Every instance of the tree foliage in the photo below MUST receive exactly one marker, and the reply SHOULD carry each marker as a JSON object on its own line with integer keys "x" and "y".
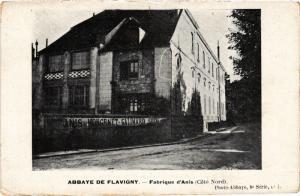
{"x": 245, "y": 39}
{"x": 244, "y": 96}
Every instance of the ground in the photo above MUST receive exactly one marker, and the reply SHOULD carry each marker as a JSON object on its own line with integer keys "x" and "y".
{"x": 234, "y": 148}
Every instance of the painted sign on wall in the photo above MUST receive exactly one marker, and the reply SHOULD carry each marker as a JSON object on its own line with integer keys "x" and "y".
{"x": 85, "y": 122}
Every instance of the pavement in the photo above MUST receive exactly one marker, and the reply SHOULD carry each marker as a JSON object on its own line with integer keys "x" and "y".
{"x": 234, "y": 148}
{"x": 83, "y": 151}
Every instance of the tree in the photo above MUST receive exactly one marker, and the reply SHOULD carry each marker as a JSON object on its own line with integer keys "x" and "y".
{"x": 244, "y": 96}
{"x": 246, "y": 41}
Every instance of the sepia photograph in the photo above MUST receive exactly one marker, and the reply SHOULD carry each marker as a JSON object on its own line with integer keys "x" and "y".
{"x": 149, "y": 97}
{"x": 148, "y": 89}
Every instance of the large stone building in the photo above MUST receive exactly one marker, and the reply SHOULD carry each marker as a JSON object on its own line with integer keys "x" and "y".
{"x": 146, "y": 62}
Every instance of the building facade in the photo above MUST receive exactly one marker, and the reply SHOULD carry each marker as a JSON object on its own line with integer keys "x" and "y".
{"x": 131, "y": 62}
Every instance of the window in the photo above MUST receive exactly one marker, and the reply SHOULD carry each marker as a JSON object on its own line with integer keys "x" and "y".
{"x": 80, "y": 60}
{"x": 222, "y": 108}
{"x": 209, "y": 105}
{"x": 204, "y": 81}
{"x": 208, "y": 64}
{"x": 128, "y": 70}
{"x": 134, "y": 103}
{"x": 204, "y": 104}
{"x": 178, "y": 60}
{"x": 209, "y": 85}
{"x": 53, "y": 96}
{"x": 56, "y": 63}
{"x": 212, "y": 69}
{"x": 213, "y": 105}
{"x": 203, "y": 55}
{"x": 78, "y": 95}
{"x": 199, "y": 77}
{"x": 193, "y": 73}
{"x": 192, "y": 36}
{"x": 198, "y": 53}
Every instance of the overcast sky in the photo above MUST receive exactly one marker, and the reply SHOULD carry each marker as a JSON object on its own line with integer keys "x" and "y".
{"x": 213, "y": 25}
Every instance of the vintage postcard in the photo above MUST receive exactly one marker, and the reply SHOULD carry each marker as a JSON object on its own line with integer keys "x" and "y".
{"x": 149, "y": 97}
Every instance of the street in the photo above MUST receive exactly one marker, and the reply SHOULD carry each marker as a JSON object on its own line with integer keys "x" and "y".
{"x": 235, "y": 148}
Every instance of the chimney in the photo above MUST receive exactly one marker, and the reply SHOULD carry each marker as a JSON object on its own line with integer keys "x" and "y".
{"x": 46, "y": 42}
{"x": 32, "y": 51}
{"x": 36, "y": 48}
{"x": 218, "y": 49}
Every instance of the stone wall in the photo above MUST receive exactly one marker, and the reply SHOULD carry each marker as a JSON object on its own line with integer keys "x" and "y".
{"x": 53, "y": 135}
{"x": 144, "y": 82}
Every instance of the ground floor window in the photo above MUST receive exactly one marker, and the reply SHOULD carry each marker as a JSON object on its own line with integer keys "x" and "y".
{"x": 53, "y": 96}
{"x": 78, "y": 95}
{"x": 133, "y": 103}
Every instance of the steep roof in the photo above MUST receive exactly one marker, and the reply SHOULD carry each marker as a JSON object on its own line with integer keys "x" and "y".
{"x": 158, "y": 24}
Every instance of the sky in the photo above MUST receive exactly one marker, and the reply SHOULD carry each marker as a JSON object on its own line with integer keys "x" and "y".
{"x": 213, "y": 25}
